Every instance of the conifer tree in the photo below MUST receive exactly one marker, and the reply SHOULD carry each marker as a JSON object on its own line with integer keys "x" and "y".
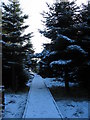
{"x": 64, "y": 54}
{"x": 84, "y": 42}
{"x": 16, "y": 44}
{"x": 62, "y": 17}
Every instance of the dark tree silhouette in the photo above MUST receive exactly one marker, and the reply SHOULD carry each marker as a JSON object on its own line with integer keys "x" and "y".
{"x": 16, "y": 45}
{"x": 66, "y": 55}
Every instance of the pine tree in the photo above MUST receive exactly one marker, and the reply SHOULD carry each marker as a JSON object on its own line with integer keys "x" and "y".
{"x": 16, "y": 45}
{"x": 84, "y": 27}
{"x": 64, "y": 54}
{"x": 63, "y": 18}
{"x": 60, "y": 20}
{"x": 84, "y": 42}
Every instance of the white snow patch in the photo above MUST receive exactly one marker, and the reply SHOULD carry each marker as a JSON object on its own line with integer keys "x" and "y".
{"x": 1, "y": 41}
{"x": 69, "y": 108}
{"x": 65, "y": 37}
{"x": 76, "y": 47}
{"x": 73, "y": 109}
{"x": 53, "y": 82}
{"x": 52, "y": 53}
{"x": 60, "y": 62}
{"x": 14, "y": 105}
{"x": 48, "y": 54}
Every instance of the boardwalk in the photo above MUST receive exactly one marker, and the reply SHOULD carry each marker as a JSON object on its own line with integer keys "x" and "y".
{"x": 40, "y": 103}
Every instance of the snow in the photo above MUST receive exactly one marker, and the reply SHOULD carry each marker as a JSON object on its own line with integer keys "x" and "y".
{"x": 6, "y": 21}
{"x": 40, "y": 103}
{"x": 73, "y": 109}
{"x": 70, "y": 108}
{"x": 48, "y": 54}
{"x": 38, "y": 55}
{"x": 60, "y": 62}
{"x": 7, "y": 44}
{"x": 57, "y": 82}
{"x": 52, "y": 53}
{"x": 65, "y": 37}
{"x": 42, "y": 54}
{"x": 51, "y": 82}
{"x": 76, "y": 47}
{"x": 14, "y": 104}
{"x": 1, "y": 41}
{"x": 43, "y": 62}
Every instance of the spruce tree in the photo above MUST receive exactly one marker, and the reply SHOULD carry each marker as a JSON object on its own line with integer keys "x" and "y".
{"x": 84, "y": 42}
{"x": 16, "y": 44}
{"x": 64, "y": 55}
{"x": 84, "y": 27}
{"x": 63, "y": 18}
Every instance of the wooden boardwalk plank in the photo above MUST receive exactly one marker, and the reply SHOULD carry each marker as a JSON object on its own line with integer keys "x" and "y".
{"x": 40, "y": 103}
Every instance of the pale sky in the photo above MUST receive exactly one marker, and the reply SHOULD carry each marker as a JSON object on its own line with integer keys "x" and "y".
{"x": 33, "y": 8}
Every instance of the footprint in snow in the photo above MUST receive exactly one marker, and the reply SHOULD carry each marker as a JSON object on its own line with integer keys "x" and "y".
{"x": 12, "y": 101}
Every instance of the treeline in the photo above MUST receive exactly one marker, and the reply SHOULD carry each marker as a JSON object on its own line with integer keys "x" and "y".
{"x": 16, "y": 46}
{"x": 68, "y": 53}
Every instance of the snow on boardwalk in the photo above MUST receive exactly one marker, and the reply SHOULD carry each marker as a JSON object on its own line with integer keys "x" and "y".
{"x": 40, "y": 103}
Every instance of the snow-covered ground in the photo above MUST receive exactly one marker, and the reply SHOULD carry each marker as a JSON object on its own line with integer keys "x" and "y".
{"x": 53, "y": 82}
{"x": 70, "y": 108}
{"x": 40, "y": 103}
{"x": 15, "y": 104}
{"x": 73, "y": 109}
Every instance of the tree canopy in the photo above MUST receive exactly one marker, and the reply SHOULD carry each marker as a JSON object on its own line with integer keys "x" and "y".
{"x": 16, "y": 44}
{"x": 68, "y": 53}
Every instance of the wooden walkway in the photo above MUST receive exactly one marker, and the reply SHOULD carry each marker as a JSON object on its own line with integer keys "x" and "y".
{"x": 40, "y": 103}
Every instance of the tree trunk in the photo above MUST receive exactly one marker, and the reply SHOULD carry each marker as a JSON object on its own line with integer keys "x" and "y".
{"x": 66, "y": 80}
{"x": 14, "y": 79}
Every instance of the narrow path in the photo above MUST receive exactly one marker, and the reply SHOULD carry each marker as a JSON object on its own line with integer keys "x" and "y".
{"x": 40, "y": 103}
